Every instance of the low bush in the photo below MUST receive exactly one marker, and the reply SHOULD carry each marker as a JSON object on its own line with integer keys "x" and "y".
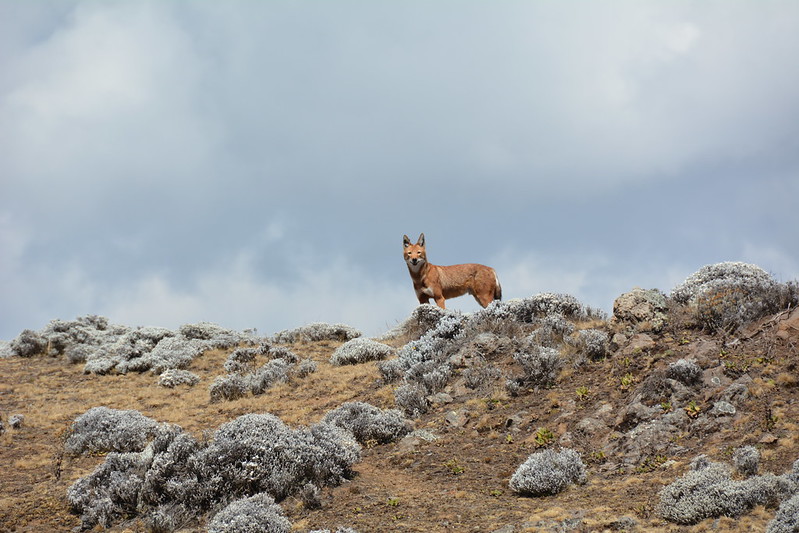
{"x": 707, "y": 491}
{"x": 685, "y": 371}
{"x": 360, "y": 350}
{"x": 173, "y": 377}
{"x": 548, "y": 472}
{"x": 369, "y": 423}
{"x": 787, "y": 518}
{"x": 412, "y": 399}
{"x": 28, "y": 344}
{"x": 176, "y": 478}
{"x": 101, "y": 429}
{"x": 317, "y": 331}
{"x": 255, "y": 514}
{"x": 746, "y": 460}
{"x": 592, "y": 343}
{"x": 540, "y": 367}
{"x": 726, "y": 296}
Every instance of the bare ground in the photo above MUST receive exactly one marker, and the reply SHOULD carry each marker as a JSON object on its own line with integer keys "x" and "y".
{"x": 458, "y": 482}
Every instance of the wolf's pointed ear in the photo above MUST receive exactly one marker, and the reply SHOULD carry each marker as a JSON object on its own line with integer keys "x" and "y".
{"x": 406, "y": 241}
{"x": 420, "y": 242}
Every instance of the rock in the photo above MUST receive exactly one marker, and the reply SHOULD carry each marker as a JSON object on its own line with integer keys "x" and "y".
{"x": 738, "y": 391}
{"x": 705, "y": 352}
{"x": 789, "y": 327}
{"x": 591, "y": 426}
{"x": 440, "y": 398}
{"x": 457, "y": 419}
{"x": 641, "y": 309}
{"x": 768, "y": 438}
{"x": 638, "y": 344}
{"x": 15, "y": 421}
{"x": 722, "y": 408}
{"x": 634, "y": 414}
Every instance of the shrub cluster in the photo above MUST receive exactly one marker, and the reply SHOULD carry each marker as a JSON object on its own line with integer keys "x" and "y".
{"x": 173, "y": 377}
{"x": 106, "y": 348}
{"x": 726, "y": 296}
{"x": 450, "y": 339}
{"x": 423, "y": 364}
{"x": 548, "y": 472}
{"x": 360, "y": 350}
{"x": 787, "y": 518}
{"x": 317, "y": 331}
{"x": 708, "y": 491}
{"x": 246, "y": 377}
{"x": 255, "y": 514}
{"x": 368, "y": 423}
{"x": 101, "y": 429}
{"x": 540, "y": 366}
{"x": 592, "y": 343}
{"x": 176, "y": 479}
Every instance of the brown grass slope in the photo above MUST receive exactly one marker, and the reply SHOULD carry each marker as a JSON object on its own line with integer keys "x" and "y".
{"x": 459, "y": 481}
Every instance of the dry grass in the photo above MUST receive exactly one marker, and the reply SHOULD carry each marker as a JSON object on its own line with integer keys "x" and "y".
{"x": 456, "y": 483}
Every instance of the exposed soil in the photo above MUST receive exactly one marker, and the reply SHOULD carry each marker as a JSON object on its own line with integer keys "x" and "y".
{"x": 458, "y": 482}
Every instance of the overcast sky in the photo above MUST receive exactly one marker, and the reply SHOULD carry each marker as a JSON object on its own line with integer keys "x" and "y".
{"x": 256, "y": 164}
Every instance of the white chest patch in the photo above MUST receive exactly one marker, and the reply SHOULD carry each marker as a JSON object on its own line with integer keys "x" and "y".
{"x": 427, "y": 291}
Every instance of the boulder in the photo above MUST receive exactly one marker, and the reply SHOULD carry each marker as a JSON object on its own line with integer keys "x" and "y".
{"x": 641, "y": 310}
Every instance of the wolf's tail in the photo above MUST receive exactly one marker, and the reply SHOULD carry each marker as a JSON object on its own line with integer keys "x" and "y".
{"x": 498, "y": 288}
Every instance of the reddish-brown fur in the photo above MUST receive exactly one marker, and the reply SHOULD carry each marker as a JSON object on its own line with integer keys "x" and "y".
{"x": 445, "y": 282}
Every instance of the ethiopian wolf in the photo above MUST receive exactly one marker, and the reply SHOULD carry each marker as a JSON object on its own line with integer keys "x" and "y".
{"x": 445, "y": 282}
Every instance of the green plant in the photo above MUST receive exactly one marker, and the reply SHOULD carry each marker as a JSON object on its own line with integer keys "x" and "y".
{"x": 543, "y": 437}
{"x": 651, "y": 464}
{"x": 598, "y": 457}
{"x": 666, "y": 406}
{"x": 692, "y": 409}
{"x": 582, "y": 393}
{"x": 454, "y": 467}
{"x": 496, "y": 493}
{"x": 627, "y": 381}
{"x": 392, "y": 502}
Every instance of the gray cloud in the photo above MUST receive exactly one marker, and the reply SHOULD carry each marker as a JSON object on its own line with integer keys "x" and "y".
{"x": 154, "y": 152}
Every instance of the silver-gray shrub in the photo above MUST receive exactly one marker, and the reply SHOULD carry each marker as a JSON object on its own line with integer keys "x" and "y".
{"x": 708, "y": 491}
{"x": 548, "y": 472}
{"x": 229, "y": 387}
{"x": 684, "y": 371}
{"x": 421, "y": 320}
{"x": 412, "y": 399}
{"x": 255, "y": 514}
{"x": 593, "y": 343}
{"x": 305, "y": 367}
{"x": 317, "y": 331}
{"x": 111, "y": 491}
{"x": 540, "y": 367}
{"x": 252, "y": 454}
{"x": 360, "y": 350}
{"x": 271, "y": 373}
{"x": 787, "y": 518}
{"x": 545, "y": 304}
{"x": 746, "y": 460}
{"x": 369, "y": 423}
{"x": 726, "y": 296}
{"x": 101, "y": 429}
{"x": 423, "y": 365}
{"x": 28, "y": 343}
{"x": 170, "y": 352}
{"x": 173, "y": 377}
{"x": 259, "y": 453}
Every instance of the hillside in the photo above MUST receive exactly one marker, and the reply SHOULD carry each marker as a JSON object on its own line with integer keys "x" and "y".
{"x": 710, "y": 370}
